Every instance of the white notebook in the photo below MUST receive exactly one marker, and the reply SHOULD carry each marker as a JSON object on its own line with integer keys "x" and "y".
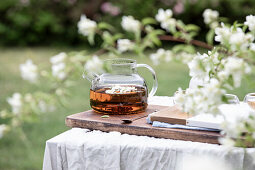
{"x": 232, "y": 112}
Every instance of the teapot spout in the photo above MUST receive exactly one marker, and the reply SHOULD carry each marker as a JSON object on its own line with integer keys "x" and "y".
{"x": 90, "y": 76}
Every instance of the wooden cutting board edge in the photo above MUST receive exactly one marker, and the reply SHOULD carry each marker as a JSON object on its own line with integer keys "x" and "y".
{"x": 176, "y": 134}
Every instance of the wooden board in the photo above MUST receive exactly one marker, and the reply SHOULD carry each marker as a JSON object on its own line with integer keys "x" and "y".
{"x": 171, "y": 115}
{"x": 92, "y": 120}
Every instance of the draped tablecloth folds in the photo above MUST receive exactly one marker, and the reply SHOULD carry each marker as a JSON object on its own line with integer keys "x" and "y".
{"x": 95, "y": 150}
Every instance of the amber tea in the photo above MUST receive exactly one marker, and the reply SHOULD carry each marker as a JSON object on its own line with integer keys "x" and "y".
{"x": 119, "y": 99}
{"x": 251, "y": 104}
{"x": 250, "y": 99}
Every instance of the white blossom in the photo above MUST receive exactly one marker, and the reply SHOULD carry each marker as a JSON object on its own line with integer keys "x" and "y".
{"x": 222, "y": 33}
{"x": 121, "y": 89}
{"x": 236, "y": 67}
{"x": 161, "y": 54}
{"x": 124, "y": 45}
{"x": 250, "y": 22}
{"x": 252, "y": 47}
{"x": 226, "y": 141}
{"x": 168, "y": 55}
{"x": 179, "y": 96}
{"x": 168, "y": 23}
{"x": 163, "y": 15}
{"x": 58, "y": 65}
{"x": 236, "y": 39}
{"x": 95, "y": 65}
{"x": 3, "y": 128}
{"x": 195, "y": 82}
{"x": 223, "y": 75}
{"x": 58, "y": 70}
{"x": 200, "y": 67}
{"x": 59, "y": 58}
{"x": 155, "y": 57}
{"x": 86, "y": 26}
{"x": 44, "y": 107}
{"x": 165, "y": 18}
{"x": 214, "y": 57}
{"x": 185, "y": 57}
{"x": 129, "y": 24}
{"x": 239, "y": 39}
{"x": 214, "y": 25}
{"x": 15, "y": 102}
{"x": 234, "y": 124}
{"x": 29, "y": 71}
{"x": 210, "y": 16}
{"x": 59, "y": 92}
{"x": 200, "y": 100}
{"x": 28, "y": 97}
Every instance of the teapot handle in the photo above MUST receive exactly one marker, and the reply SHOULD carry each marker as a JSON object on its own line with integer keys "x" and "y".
{"x": 155, "y": 81}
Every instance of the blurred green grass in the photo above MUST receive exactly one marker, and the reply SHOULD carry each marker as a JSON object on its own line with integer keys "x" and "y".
{"x": 23, "y": 155}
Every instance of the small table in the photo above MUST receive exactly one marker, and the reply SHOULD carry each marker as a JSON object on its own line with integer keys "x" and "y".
{"x": 84, "y": 149}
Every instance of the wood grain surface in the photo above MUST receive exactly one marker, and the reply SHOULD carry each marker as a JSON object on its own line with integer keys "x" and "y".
{"x": 92, "y": 120}
{"x": 171, "y": 114}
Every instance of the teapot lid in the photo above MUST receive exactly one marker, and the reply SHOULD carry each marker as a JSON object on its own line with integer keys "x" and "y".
{"x": 120, "y": 66}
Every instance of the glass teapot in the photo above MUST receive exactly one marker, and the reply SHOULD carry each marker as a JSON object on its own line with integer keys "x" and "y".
{"x": 120, "y": 90}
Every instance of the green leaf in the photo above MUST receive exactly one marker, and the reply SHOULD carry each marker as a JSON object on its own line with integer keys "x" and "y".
{"x": 210, "y": 37}
{"x": 223, "y": 19}
{"x": 192, "y": 27}
{"x": 104, "y": 25}
{"x": 148, "y": 43}
{"x": 156, "y": 40}
{"x": 138, "y": 36}
{"x": 231, "y": 81}
{"x": 182, "y": 47}
{"x": 105, "y": 116}
{"x": 181, "y": 24}
{"x": 177, "y": 34}
{"x": 108, "y": 39}
{"x": 245, "y": 28}
{"x": 193, "y": 34}
{"x": 172, "y": 29}
{"x": 158, "y": 32}
{"x": 190, "y": 49}
{"x": 187, "y": 37}
{"x": 91, "y": 39}
{"x": 34, "y": 107}
{"x": 153, "y": 37}
{"x": 117, "y": 36}
{"x": 148, "y": 21}
{"x": 236, "y": 25}
{"x": 224, "y": 99}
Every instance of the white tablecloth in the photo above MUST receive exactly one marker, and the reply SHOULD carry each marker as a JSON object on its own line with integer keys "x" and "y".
{"x": 79, "y": 149}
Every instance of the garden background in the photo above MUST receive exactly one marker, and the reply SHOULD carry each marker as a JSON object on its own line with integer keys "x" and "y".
{"x": 40, "y": 29}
